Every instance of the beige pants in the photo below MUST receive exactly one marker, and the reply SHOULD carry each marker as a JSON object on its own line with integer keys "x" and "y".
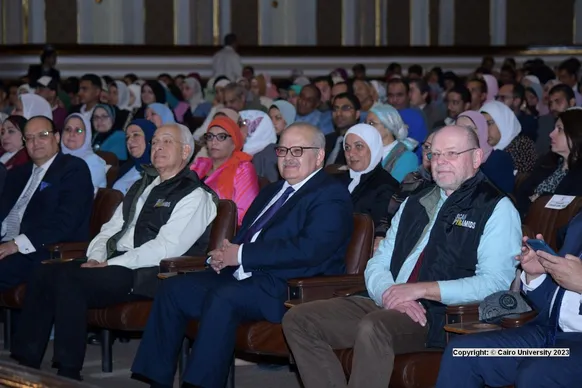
{"x": 314, "y": 329}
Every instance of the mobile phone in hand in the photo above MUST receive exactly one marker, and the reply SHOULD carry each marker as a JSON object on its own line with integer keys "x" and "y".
{"x": 540, "y": 245}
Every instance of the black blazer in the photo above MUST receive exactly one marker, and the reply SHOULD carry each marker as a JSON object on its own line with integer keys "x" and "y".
{"x": 3, "y": 173}
{"x": 372, "y": 195}
{"x": 35, "y": 72}
{"x": 60, "y": 208}
{"x": 330, "y": 140}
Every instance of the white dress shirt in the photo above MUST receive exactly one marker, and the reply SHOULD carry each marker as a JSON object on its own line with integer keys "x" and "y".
{"x": 189, "y": 219}
{"x": 7, "y": 156}
{"x": 23, "y": 243}
{"x": 227, "y": 62}
{"x": 127, "y": 180}
{"x": 240, "y": 273}
{"x": 570, "y": 318}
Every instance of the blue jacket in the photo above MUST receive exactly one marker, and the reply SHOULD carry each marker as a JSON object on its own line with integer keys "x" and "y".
{"x": 60, "y": 208}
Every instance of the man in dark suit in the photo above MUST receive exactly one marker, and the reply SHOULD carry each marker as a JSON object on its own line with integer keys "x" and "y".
{"x": 345, "y": 109}
{"x": 48, "y": 60}
{"x": 297, "y": 227}
{"x": 3, "y": 173}
{"x": 45, "y": 201}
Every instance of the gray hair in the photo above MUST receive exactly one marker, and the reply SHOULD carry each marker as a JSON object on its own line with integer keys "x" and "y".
{"x": 318, "y": 137}
{"x": 186, "y": 138}
{"x": 239, "y": 90}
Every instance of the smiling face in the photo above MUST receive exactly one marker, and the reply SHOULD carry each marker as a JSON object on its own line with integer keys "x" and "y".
{"x": 358, "y": 154}
{"x": 135, "y": 140}
{"x": 169, "y": 154}
{"x": 10, "y": 137}
{"x": 74, "y": 133}
{"x": 295, "y": 169}
{"x": 42, "y": 142}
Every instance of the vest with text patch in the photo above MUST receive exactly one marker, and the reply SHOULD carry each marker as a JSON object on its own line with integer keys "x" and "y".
{"x": 451, "y": 251}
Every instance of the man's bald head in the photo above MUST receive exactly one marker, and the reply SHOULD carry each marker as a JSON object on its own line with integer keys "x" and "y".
{"x": 172, "y": 149}
{"x": 472, "y": 140}
{"x": 311, "y": 140}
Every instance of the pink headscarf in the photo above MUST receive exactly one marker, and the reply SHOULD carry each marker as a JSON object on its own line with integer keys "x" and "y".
{"x": 492, "y": 87}
{"x": 482, "y": 131}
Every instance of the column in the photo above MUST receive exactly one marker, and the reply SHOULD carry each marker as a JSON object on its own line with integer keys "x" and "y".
{"x": 133, "y": 21}
{"x": 577, "y": 21}
{"x": 85, "y": 22}
{"x": 383, "y": 22}
{"x": 349, "y": 11}
{"x": 36, "y": 22}
{"x": 13, "y": 25}
{"x": 305, "y": 22}
{"x": 202, "y": 22}
{"x": 224, "y": 12}
{"x": 420, "y": 23}
{"x": 182, "y": 22}
{"x": 61, "y": 20}
{"x": 447, "y": 23}
{"x": 498, "y": 22}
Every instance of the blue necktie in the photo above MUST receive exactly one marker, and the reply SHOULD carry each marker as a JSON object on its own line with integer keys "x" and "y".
{"x": 262, "y": 221}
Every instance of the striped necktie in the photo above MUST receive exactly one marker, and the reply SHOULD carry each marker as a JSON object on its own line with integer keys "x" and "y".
{"x": 14, "y": 217}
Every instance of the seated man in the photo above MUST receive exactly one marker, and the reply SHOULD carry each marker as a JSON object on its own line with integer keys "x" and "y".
{"x": 297, "y": 227}
{"x": 45, "y": 201}
{"x": 161, "y": 216}
{"x": 3, "y": 173}
{"x": 451, "y": 243}
{"x": 557, "y": 297}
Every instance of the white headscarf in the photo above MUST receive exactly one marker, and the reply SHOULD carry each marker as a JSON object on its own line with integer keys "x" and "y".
{"x": 86, "y": 149}
{"x": 135, "y": 89}
{"x": 197, "y": 96}
{"x": 123, "y": 95}
{"x": 372, "y": 138}
{"x": 35, "y": 105}
{"x": 261, "y": 131}
{"x": 509, "y": 126}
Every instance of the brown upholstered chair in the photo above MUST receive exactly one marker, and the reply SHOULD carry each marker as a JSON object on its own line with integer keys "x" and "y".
{"x": 335, "y": 169}
{"x": 104, "y": 205}
{"x": 548, "y": 221}
{"x": 133, "y": 316}
{"x": 109, "y": 157}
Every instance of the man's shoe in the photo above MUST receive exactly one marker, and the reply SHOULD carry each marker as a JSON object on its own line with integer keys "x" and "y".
{"x": 70, "y": 373}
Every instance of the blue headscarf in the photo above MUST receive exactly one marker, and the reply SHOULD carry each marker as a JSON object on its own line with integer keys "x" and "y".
{"x": 164, "y": 112}
{"x": 148, "y": 129}
{"x": 417, "y": 130}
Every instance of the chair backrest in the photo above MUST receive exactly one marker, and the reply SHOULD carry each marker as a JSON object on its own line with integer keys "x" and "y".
{"x": 104, "y": 205}
{"x": 519, "y": 179}
{"x": 334, "y": 169}
{"x": 361, "y": 244}
{"x": 109, "y": 157}
{"x": 111, "y": 175}
{"x": 263, "y": 182}
{"x": 224, "y": 225}
{"x": 547, "y": 221}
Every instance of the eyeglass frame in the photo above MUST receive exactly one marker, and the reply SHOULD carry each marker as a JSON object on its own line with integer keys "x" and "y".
{"x": 74, "y": 130}
{"x": 213, "y": 136}
{"x": 288, "y": 149}
{"x": 449, "y": 158}
{"x": 42, "y": 135}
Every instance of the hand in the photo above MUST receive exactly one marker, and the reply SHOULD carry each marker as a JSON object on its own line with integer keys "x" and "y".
{"x": 94, "y": 264}
{"x": 225, "y": 256}
{"x": 414, "y": 310}
{"x": 529, "y": 260}
{"x": 377, "y": 241}
{"x": 7, "y": 249}
{"x": 566, "y": 271}
{"x": 400, "y": 293}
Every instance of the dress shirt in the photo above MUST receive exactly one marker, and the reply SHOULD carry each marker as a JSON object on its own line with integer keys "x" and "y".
{"x": 6, "y": 156}
{"x": 227, "y": 62}
{"x": 87, "y": 113}
{"x": 570, "y": 318}
{"x": 189, "y": 219}
{"x": 23, "y": 243}
{"x": 240, "y": 273}
{"x": 495, "y": 269}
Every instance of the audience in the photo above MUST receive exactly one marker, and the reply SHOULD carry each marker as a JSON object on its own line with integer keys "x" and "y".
{"x": 90, "y": 88}
{"x": 192, "y": 93}
{"x": 561, "y": 97}
{"x": 151, "y": 92}
{"x": 417, "y": 130}
{"x": 283, "y": 114}
{"x": 513, "y": 95}
{"x": 345, "y": 114}
{"x": 46, "y": 201}
{"x": 107, "y": 138}
{"x": 3, "y": 173}
{"x": 420, "y": 98}
{"x": 160, "y": 114}
{"x": 31, "y": 105}
{"x": 458, "y": 100}
{"x": 228, "y": 171}
{"x": 12, "y": 150}
{"x": 260, "y": 143}
{"x": 307, "y": 111}
{"x": 478, "y": 89}
{"x": 76, "y": 141}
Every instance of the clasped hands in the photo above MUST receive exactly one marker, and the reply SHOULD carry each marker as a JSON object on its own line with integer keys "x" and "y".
{"x": 404, "y": 298}
{"x": 224, "y": 256}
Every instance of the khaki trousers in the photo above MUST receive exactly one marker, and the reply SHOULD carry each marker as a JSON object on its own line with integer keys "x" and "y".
{"x": 314, "y": 329}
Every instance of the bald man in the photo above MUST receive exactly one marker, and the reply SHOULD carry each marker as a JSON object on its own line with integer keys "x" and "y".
{"x": 451, "y": 243}
{"x": 165, "y": 214}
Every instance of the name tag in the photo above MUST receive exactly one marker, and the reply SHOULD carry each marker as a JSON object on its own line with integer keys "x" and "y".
{"x": 462, "y": 221}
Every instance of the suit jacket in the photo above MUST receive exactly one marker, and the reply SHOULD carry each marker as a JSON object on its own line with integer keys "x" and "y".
{"x": 35, "y": 72}
{"x": 307, "y": 237}
{"x": 372, "y": 195}
{"x": 330, "y": 140}
{"x": 434, "y": 113}
{"x": 60, "y": 208}
{"x": 3, "y": 173}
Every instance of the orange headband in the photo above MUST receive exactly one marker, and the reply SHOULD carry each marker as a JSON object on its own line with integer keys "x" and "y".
{"x": 231, "y": 127}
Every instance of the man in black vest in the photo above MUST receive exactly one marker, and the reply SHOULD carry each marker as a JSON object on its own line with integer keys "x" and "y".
{"x": 165, "y": 214}
{"x": 450, "y": 243}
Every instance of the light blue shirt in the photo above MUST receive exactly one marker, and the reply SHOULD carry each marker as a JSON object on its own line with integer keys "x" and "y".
{"x": 495, "y": 269}
{"x": 321, "y": 120}
{"x": 98, "y": 169}
{"x": 125, "y": 182}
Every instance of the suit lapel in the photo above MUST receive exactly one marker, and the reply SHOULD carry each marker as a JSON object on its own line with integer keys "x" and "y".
{"x": 257, "y": 207}
{"x": 49, "y": 178}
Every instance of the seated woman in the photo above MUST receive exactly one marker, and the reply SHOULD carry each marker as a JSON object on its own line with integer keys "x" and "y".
{"x": 222, "y": 112}
{"x": 192, "y": 93}
{"x": 151, "y": 92}
{"x": 160, "y": 114}
{"x": 29, "y": 105}
{"x": 398, "y": 158}
{"x": 497, "y": 165}
{"x": 228, "y": 171}
{"x": 105, "y": 136}
{"x": 12, "y": 150}
{"x": 505, "y": 134}
{"x": 282, "y": 114}
{"x": 139, "y": 135}
{"x": 559, "y": 171}
{"x": 76, "y": 140}
{"x": 370, "y": 185}
{"x": 260, "y": 143}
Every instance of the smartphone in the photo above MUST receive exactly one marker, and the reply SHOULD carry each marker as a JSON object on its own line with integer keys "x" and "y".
{"x": 540, "y": 245}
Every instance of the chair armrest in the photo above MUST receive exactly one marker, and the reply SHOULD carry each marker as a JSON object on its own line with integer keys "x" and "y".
{"x": 349, "y": 291}
{"x": 517, "y": 320}
{"x": 322, "y": 287}
{"x": 182, "y": 263}
{"x": 68, "y": 250}
{"x": 463, "y": 312}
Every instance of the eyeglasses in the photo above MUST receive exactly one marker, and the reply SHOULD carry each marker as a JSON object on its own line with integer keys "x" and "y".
{"x": 219, "y": 136}
{"x": 74, "y": 130}
{"x": 100, "y": 118}
{"x": 448, "y": 155}
{"x": 426, "y": 147}
{"x": 297, "y": 151}
{"x": 490, "y": 122}
{"x": 43, "y": 136}
{"x": 343, "y": 108}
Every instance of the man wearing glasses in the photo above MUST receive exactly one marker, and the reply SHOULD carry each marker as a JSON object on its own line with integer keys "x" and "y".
{"x": 450, "y": 243}
{"x": 297, "y": 227}
{"x": 345, "y": 109}
{"x": 46, "y": 201}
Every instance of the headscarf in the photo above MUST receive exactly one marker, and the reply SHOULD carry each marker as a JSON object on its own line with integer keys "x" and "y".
{"x": 372, "y": 138}
{"x": 225, "y": 183}
{"x": 164, "y": 112}
{"x": 380, "y": 90}
{"x": 230, "y": 113}
{"x": 197, "y": 97}
{"x": 158, "y": 90}
{"x": 100, "y": 137}
{"x": 123, "y": 93}
{"x": 482, "y": 131}
{"x": 261, "y": 131}
{"x": 24, "y": 89}
{"x": 148, "y": 129}
{"x": 541, "y": 108}
{"x": 532, "y": 80}
{"x": 287, "y": 110}
{"x": 135, "y": 89}
{"x": 86, "y": 149}
{"x": 35, "y": 105}
{"x": 492, "y": 87}
{"x": 506, "y": 121}
{"x": 391, "y": 119}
